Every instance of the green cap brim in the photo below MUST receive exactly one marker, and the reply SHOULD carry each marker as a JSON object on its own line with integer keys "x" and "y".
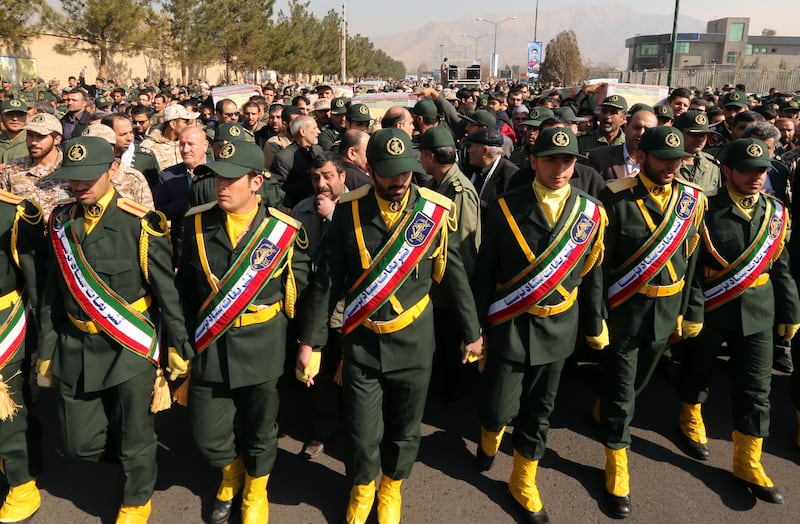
{"x": 80, "y": 172}
{"x": 749, "y": 164}
{"x": 223, "y": 169}
{"x": 665, "y": 154}
{"x": 553, "y": 152}
{"x": 395, "y": 166}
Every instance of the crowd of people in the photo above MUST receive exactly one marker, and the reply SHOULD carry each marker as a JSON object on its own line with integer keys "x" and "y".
{"x": 161, "y": 244}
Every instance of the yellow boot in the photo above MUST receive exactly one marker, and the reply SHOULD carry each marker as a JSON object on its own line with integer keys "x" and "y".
{"x": 21, "y": 502}
{"x": 487, "y": 448}
{"x": 255, "y": 506}
{"x": 360, "y": 504}
{"x": 694, "y": 431}
{"x": 618, "y": 481}
{"x": 134, "y": 514}
{"x": 389, "y": 501}
{"x": 522, "y": 486}
{"x": 232, "y": 482}
{"x": 747, "y": 467}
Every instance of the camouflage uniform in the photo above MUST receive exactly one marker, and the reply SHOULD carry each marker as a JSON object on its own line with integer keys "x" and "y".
{"x": 166, "y": 151}
{"x": 131, "y": 183}
{"x": 32, "y": 182}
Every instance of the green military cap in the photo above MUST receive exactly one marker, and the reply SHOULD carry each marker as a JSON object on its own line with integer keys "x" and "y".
{"x": 639, "y": 106}
{"x": 615, "y": 101}
{"x": 556, "y": 141}
{"x": 663, "y": 142}
{"x": 85, "y": 158}
{"x": 43, "y": 124}
{"x": 664, "y": 111}
{"x": 390, "y": 152}
{"x": 232, "y": 132}
{"x": 339, "y": 105}
{"x": 50, "y": 97}
{"x": 790, "y": 105}
{"x": 735, "y": 98}
{"x": 29, "y": 79}
{"x": 14, "y": 105}
{"x": 692, "y": 121}
{"x": 483, "y": 101}
{"x": 426, "y": 109}
{"x": 235, "y": 159}
{"x": 537, "y": 116}
{"x": 358, "y": 113}
{"x": 746, "y": 154}
{"x": 568, "y": 114}
{"x": 102, "y": 103}
{"x": 482, "y": 118}
{"x": 437, "y": 136}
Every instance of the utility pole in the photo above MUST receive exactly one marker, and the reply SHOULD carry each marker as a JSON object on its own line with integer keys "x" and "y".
{"x": 343, "y": 58}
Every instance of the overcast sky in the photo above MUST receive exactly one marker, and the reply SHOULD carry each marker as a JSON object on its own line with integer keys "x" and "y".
{"x": 371, "y": 17}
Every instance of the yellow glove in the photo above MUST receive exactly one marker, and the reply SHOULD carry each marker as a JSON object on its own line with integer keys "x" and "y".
{"x": 691, "y": 329}
{"x": 177, "y": 367}
{"x": 787, "y": 331}
{"x": 678, "y": 334}
{"x": 311, "y": 370}
{"x": 599, "y": 341}
{"x": 44, "y": 378}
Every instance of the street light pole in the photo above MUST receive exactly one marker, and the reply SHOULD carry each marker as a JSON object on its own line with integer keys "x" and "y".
{"x": 494, "y": 51}
{"x": 476, "y": 38}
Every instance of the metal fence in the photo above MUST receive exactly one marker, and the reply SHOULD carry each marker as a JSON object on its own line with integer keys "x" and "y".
{"x": 755, "y": 80}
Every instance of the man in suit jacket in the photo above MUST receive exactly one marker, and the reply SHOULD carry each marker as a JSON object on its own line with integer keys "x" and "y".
{"x": 619, "y": 161}
{"x": 77, "y": 118}
{"x": 492, "y": 171}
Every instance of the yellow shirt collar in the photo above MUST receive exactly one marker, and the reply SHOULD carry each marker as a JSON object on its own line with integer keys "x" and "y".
{"x": 551, "y": 201}
{"x": 392, "y": 211}
{"x": 745, "y": 203}
{"x": 660, "y": 193}
{"x": 237, "y": 225}
{"x": 93, "y": 213}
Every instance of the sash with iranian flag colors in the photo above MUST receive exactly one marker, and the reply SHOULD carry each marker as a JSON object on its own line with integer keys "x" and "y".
{"x": 665, "y": 240}
{"x": 12, "y": 332}
{"x": 244, "y": 280}
{"x": 393, "y": 264}
{"x": 549, "y": 270}
{"x": 110, "y": 312}
{"x": 742, "y": 272}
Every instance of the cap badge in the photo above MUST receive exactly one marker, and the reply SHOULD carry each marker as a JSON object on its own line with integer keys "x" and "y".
{"x": 754, "y": 151}
{"x": 672, "y": 140}
{"x": 235, "y": 131}
{"x": 701, "y": 119}
{"x": 364, "y": 110}
{"x": 395, "y": 146}
{"x": 227, "y": 151}
{"x": 76, "y": 152}
{"x": 561, "y": 139}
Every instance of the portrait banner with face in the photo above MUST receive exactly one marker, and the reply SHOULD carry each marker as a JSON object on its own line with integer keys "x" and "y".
{"x": 534, "y": 58}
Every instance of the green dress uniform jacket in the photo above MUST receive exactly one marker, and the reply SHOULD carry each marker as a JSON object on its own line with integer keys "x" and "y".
{"x": 12, "y": 149}
{"x": 528, "y": 339}
{"x": 247, "y": 355}
{"x": 595, "y": 139}
{"x": 113, "y": 251}
{"x": 457, "y": 187}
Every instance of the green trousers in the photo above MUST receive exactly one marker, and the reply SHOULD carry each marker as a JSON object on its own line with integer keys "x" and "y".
{"x": 14, "y": 432}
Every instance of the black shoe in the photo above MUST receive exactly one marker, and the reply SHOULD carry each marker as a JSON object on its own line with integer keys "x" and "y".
{"x": 771, "y": 495}
{"x": 782, "y": 359}
{"x": 221, "y": 511}
{"x": 531, "y": 517}
{"x": 618, "y": 507}
{"x": 482, "y": 460}
{"x": 695, "y": 449}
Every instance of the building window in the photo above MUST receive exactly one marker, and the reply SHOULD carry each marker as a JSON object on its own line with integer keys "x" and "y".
{"x": 749, "y": 50}
{"x": 731, "y": 57}
{"x": 774, "y": 50}
{"x": 736, "y": 32}
{"x": 649, "y": 50}
{"x": 682, "y": 48}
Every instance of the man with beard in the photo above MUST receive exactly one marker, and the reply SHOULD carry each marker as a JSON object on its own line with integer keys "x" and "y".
{"x": 700, "y": 168}
{"x": 336, "y": 124}
{"x": 619, "y": 161}
{"x": 612, "y": 118}
{"x": 131, "y": 155}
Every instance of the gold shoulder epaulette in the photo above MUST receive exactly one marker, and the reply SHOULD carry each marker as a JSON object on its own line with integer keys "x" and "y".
{"x": 10, "y": 198}
{"x": 690, "y": 184}
{"x": 354, "y": 194}
{"x": 283, "y": 217}
{"x": 201, "y": 208}
{"x": 133, "y": 207}
{"x": 433, "y": 196}
{"x": 615, "y": 186}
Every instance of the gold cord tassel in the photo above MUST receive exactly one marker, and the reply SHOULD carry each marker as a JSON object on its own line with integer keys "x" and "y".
{"x": 337, "y": 377}
{"x": 161, "y": 395}
{"x": 598, "y": 249}
{"x": 291, "y": 287}
{"x": 181, "y": 394}
{"x": 8, "y": 408}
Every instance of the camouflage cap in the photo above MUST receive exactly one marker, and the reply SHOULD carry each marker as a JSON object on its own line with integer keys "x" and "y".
{"x": 746, "y": 154}
{"x": 556, "y": 141}
{"x": 103, "y": 102}
{"x": 234, "y": 160}
{"x": 735, "y": 98}
{"x": 664, "y": 111}
{"x": 101, "y": 131}
{"x": 43, "y": 124}
{"x": 358, "y": 113}
{"x": 85, "y": 158}
{"x": 537, "y": 116}
{"x": 390, "y": 153}
{"x": 663, "y": 142}
{"x": 232, "y": 132}
{"x": 426, "y": 109}
{"x": 322, "y": 104}
{"x": 339, "y": 106}
{"x": 14, "y": 105}
{"x": 615, "y": 101}
{"x": 692, "y": 121}
{"x": 437, "y": 136}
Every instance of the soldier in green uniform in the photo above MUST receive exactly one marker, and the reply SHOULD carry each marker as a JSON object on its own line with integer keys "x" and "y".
{"x": 748, "y": 288}
{"x": 732, "y": 104}
{"x": 12, "y": 141}
{"x": 654, "y": 223}
{"x": 388, "y": 324}
{"x": 701, "y": 168}
{"x": 543, "y": 255}
{"x": 613, "y": 109}
{"x": 110, "y": 282}
{"x": 665, "y": 114}
{"x": 231, "y": 244}
{"x": 29, "y": 93}
{"x": 21, "y": 257}
{"x": 336, "y": 125}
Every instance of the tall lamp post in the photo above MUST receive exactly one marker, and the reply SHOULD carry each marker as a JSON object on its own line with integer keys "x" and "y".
{"x": 476, "y": 38}
{"x": 494, "y": 50}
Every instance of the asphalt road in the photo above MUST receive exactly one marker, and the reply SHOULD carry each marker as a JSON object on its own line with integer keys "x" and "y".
{"x": 667, "y": 486}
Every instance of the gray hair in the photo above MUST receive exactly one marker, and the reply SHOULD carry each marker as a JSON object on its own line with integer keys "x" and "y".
{"x": 762, "y": 131}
